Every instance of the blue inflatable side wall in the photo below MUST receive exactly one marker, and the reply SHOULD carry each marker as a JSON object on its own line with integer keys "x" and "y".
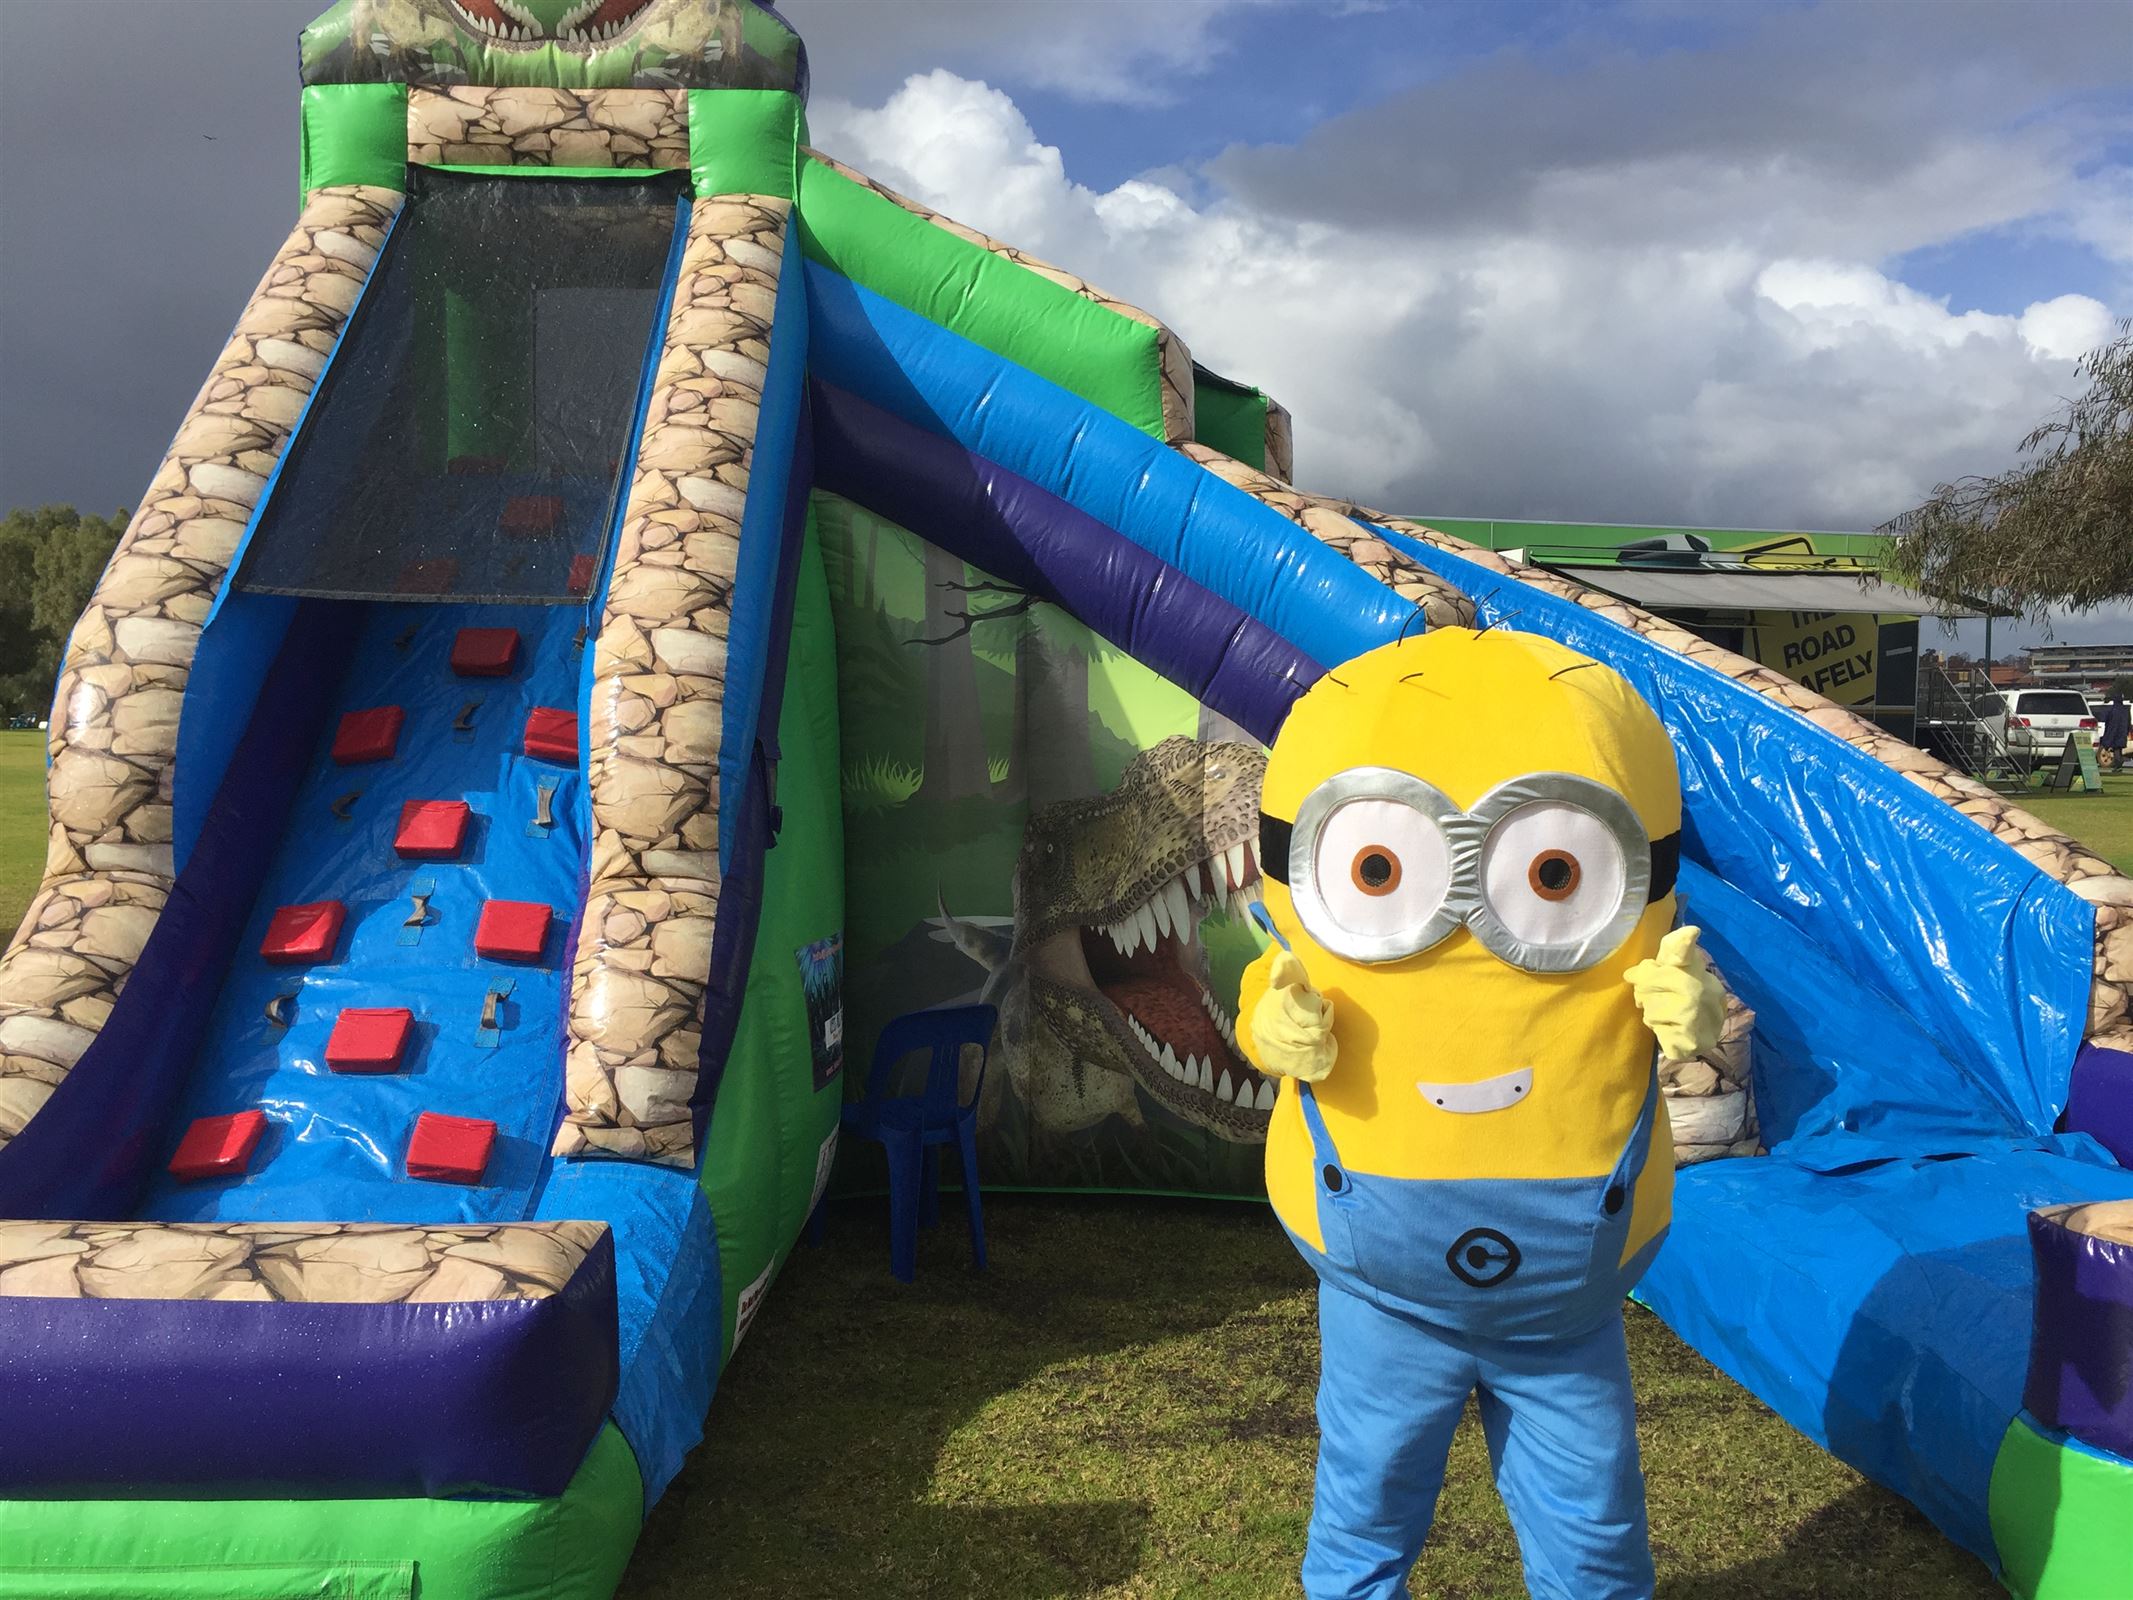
{"x": 1985, "y": 960}
{"x": 1218, "y": 536}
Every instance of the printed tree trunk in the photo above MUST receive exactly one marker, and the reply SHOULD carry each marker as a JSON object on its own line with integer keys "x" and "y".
{"x": 1013, "y": 787}
{"x": 955, "y": 735}
{"x": 1052, "y": 693}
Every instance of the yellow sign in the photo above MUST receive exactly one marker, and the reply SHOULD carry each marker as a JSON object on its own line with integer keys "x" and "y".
{"x": 1833, "y": 653}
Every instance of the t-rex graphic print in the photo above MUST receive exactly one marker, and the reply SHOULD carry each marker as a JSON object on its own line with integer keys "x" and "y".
{"x": 568, "y": 44}
{"x": 1105, "y": 1006}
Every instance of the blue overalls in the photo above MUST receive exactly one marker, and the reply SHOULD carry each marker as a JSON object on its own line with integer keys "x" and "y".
{"x": 1433, "y": 1288}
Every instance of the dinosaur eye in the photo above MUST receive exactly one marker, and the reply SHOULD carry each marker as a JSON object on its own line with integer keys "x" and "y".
{"x": 1381, "y": 867}
{"x": 1552, "y": 873}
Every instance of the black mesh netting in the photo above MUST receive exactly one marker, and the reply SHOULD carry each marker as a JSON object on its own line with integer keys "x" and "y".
{"x": 467, "y": 441}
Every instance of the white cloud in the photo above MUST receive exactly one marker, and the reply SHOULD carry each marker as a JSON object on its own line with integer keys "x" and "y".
{"x": 1545, "y": 359}
{"x": 2066, "y": 328}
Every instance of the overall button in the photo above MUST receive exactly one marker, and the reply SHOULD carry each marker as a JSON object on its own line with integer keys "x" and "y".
{"x": 1613, "y": 1201}
{"x": 1335, "y": 1183}
{"x": 1482, "y": 1258}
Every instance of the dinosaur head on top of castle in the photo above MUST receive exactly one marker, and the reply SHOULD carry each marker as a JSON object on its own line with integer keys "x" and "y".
{"x": 567, "y": 44}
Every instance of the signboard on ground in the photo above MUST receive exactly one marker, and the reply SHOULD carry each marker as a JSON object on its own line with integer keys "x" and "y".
{"x": 2078, "y": 759}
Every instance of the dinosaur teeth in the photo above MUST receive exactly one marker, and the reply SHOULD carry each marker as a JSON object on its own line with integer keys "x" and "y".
{"x": 1233, "y": 866}
{"x": 1144, "y": 919}
{"x": 1181, "y": 917}
{"x": 1226, "y": 1092}
{"x": 1266, "y": 1095}
{"x": 1160, "y": 906}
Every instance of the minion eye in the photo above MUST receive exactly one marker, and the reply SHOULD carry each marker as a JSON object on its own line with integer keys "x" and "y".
{"x": 1376, "y": 870}
{"x": 1552, "y": 873}
{"x": 1380, "y": 867}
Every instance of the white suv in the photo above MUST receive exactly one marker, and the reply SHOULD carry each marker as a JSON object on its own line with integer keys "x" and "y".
{"x": 2036, "y": 721}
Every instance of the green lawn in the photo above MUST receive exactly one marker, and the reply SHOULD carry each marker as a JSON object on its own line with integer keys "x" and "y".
{"x": 2103, "y": 822}
{"x": 1122, "y": 1407}
{"x": 21, "y": 823}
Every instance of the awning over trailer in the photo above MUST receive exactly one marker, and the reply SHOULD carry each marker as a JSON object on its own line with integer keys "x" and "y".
{"x": 1740, "y": 589}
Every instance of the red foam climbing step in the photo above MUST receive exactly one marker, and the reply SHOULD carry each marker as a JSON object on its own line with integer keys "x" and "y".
{"x": 530, "y": 515}
{"x": 218, "y": 1147}
{"x": 450, "y": 1149}
{"x": 369, "y": 1038}
{"x": 434, "y": 576}
{"x": 431, "y": 830}
{"x": 583, "y": 569}
{"x": 511, "y": 930}
{"x": 552, "y": 735}
{"x": 485, "y": 652}
{"x": 300, "y": 935}
{"x": 365, "y": 736}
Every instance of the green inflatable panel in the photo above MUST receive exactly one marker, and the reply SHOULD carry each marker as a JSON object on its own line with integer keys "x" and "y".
{"x": 1231, "y": 418}
{"x": 2062, "y": 1515}
{"x": 355, "y": 133}
{"x": 400, "y": 1549}
{"x": 745, "y": 141}
{"x": 774, "y": 1124}
{"x": 1108, "y": 360}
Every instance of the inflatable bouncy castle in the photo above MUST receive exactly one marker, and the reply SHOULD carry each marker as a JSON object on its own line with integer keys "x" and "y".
{"x": 635, "y": 606}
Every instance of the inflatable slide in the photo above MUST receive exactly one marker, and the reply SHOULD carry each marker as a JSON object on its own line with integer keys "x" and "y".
{"x": 635, "y": 605}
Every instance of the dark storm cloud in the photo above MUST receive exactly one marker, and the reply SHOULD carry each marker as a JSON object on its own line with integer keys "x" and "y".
{"x": 1095, "y": 50}
{"x": 148, "y": 170}
{"x": 1870, "y": 99}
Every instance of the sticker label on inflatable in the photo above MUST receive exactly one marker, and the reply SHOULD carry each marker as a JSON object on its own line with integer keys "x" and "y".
{"x": 822, "y": 976}
{"x": 825, "y": 1158}
{"x": 751, "y": 1302}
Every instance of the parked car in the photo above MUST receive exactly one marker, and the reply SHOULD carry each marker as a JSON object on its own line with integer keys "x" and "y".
{"x": 2036, "y": 722}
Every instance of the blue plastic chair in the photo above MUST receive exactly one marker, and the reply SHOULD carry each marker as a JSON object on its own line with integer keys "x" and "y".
{"x": 910, "y": 1128}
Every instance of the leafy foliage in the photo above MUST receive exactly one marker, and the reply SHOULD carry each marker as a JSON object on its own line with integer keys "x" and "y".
{"x": 2054, "y": 533}
{"x": 879, "y": 783}
{"x": 50, "y": 559}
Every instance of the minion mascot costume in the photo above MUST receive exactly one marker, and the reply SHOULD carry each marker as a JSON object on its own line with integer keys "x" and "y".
{"x": 1471, "y": 1150}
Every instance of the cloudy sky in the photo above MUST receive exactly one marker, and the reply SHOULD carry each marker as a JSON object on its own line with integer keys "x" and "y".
{"x": 1781, "y": 266}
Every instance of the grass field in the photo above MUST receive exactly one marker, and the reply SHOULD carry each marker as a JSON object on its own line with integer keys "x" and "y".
{"x": 21, "y": 823}
{"x": 2103, "y": 822}
{"x": 1121, "y": 1407}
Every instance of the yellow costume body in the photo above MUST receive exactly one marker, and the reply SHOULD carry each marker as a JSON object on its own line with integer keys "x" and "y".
{"x": 1470, "y": 845}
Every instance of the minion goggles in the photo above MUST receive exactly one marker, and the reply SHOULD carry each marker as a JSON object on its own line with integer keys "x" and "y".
{"x": 1550, "y": 871}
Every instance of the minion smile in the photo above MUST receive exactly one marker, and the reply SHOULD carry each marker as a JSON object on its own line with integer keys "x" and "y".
{"x": 1489, "y": 1094}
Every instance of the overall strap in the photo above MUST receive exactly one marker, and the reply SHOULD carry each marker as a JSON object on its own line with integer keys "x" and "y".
{"x": 1322, "y": 1150}
{"x": 1639, "y": 1148}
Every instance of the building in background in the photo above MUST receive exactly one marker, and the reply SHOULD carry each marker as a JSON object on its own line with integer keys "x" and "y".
{"x": 2091, "y": 668}
{"x": 1814, "y": 606}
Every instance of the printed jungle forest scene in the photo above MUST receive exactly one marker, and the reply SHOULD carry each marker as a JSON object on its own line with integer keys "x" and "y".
{"x": 1035, "y": 820}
